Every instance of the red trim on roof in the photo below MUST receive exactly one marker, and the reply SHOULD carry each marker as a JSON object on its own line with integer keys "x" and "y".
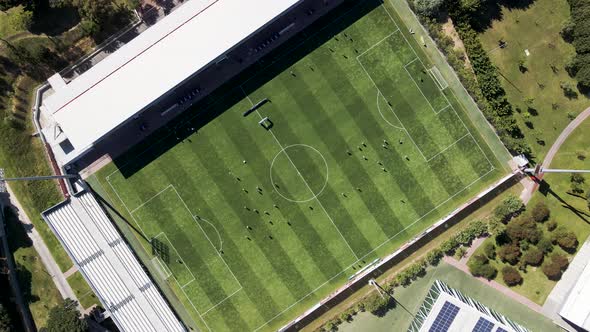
{"x": 139, "y": 54}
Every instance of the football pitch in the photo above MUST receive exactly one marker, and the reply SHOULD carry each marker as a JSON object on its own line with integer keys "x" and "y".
{"x": 251, "y": 226}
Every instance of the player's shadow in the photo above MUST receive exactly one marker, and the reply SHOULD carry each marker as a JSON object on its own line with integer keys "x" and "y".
{"x": 178, "y": 130}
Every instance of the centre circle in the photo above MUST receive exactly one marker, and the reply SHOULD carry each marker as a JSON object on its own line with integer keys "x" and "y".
{"x": 299, "y": 173}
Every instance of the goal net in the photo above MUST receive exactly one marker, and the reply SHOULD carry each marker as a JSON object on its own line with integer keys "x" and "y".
{"x": 438, "y": 78}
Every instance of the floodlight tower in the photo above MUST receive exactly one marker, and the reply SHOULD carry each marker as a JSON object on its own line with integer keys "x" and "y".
{"x": 3, "y": 179}
{"x": 523, "y": 162}
{"x": 378, "y": 287}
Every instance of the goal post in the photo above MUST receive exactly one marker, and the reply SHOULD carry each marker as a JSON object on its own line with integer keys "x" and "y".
{"x": 438, "y": 78}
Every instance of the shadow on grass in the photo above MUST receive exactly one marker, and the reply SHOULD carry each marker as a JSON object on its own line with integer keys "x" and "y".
{"x": 545, "y": 189}
{"x": 229, "y": 94}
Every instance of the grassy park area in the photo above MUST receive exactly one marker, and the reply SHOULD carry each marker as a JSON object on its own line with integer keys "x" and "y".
{"x": 368, "y": 147}
{"x": 410, "y": 299}
{"x": 83, "y": 292}
{"x": 535, "y": 83}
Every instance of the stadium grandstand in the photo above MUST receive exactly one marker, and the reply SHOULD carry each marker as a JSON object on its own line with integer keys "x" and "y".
{"x": 105, "y": 260}
{"x": 161, "y": 72}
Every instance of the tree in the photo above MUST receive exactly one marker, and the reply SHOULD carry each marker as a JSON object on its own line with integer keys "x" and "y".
{"x": 378, "y": 305}
{"x": 434, "y": 256}
{"x": 428, "y": 8}
{"x": 583, "y": 76}
{"x": 523, "y": 228}
{"x": 552, "y": 270}
{"x": 560, "y": 260}
{"x": 533, "y": 257}
{"x": 97, "y": 11}
{"x": 20, "y": 18}
{"x": 479, "y": 266}
{"x": 5, "y": 321}
{"x": 567, "y": 31}
{"x": 511, "y": 276}
{"x": 567, "y": 240}
{"x": 509, "y": 253}
{"x": 510, "y": 207}
{"x": 551, "y": 225}
{"x": 540, "y": 212}
{"x": 568, "y": 90}
{"x": 65, "y": 317}
{"x": 490, "y": 250}
{"x": 545, "y": 245}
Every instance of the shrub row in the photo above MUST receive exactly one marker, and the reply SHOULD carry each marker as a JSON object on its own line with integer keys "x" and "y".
{"x": 577, "y": 31}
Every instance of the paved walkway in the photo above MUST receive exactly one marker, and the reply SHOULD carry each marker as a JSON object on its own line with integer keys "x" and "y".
{"x": 474, "y": 245}
{"x": 558, "y": 142}
{"x": 50, "y": 265}
{"x": 501, "y": 288}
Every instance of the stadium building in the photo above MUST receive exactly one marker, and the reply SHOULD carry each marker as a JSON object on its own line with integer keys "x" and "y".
{"x": 160, "y": 73}
{"x": 131, "y": 93}
{"x": 448, "y": 310}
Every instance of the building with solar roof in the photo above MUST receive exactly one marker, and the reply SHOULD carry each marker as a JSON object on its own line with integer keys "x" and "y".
{"x": 446, "y": 309}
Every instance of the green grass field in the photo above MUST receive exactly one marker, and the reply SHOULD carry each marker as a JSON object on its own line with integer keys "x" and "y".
{"x": 253, "y": 226}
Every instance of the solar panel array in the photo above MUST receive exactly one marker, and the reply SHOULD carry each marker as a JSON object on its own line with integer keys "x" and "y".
{"x": 110, "y": 267}
{"x": 483, "y": 325}
{"x": 445, "y": 318}
{"x": 501, "y": 330}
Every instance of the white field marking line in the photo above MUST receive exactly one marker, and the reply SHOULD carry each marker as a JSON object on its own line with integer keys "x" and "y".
{"x": 413, "y": 50}
{"x": 440, "y": 84}
{"x": 246, "y": 81}
{"x": 153, "y": 197}
{"x": 377, "y": 43}
{"x": 379, "y": 246}
{"x": 216, "y": 231}
{"x": 220, "y": 302}
{"x": 166, "y": 273}
{"x": 444, "y": 108}
{"x": 304, "y": 181}
{"x": 448, "y": 147}
{"x": 175, "y": 280}
{"x": 383, "y": 116}
{"x": 416, "y": 54}
{"x": 208, "y": 239}
{"x": 126, "y": 208}
{"x": 315, "y": 195}
{"x": 400, "y": 121}
{"x": 418, "y": 87}
{"x": 181, "y": 258}
{"x": 448, "y": 102}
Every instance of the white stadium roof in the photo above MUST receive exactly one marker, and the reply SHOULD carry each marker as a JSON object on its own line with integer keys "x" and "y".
{"x": 160, "y": 58}
{"x": 109, "y": 266}
{"x": 577, "y": 306}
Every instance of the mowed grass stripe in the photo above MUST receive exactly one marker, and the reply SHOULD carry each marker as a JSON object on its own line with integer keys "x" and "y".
{"x": 419, "y": 74}
{"x": 272, "y": 249}
{"x": 372, "y": 130}
{"x": 377, "y": 210}
{"x": 312, "y": 241}
{"x": 356, "y": 234}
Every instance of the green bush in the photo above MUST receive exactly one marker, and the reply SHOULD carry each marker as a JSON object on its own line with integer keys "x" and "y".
{"x": 511, "y": 276}
{"x": 523, "y": 228}
{"x": 567, "y": 240}
{"x": 540, "y": 212}
{"x": 490, "y": 250}
{"x": 510, "y": 207}
{"x": 509, "y": 253}
{"x": 545, "y": 245}
{"x": 434, "y": 256}
{"x": 552, "y": 270}
{"x": 533, "y": 257}
{"x": 551, "y": 225}
{"x": 378, "y": 305}
{"x": 560, "y": 260}
{"x": 479, "y": 266}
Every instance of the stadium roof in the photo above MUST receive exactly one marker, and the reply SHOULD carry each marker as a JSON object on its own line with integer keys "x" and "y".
{"x": 109, "y": 266}
{"x": 192, "y": 36}
{"x": 577, "y": 306}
